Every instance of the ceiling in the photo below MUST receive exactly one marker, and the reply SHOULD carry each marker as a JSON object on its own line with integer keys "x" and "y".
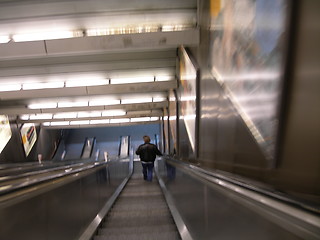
{"x": 85, "y": 58}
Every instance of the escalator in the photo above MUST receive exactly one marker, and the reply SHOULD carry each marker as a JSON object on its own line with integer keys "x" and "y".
{"x": 101, "y": 200}
{"x": 140, "y": 212}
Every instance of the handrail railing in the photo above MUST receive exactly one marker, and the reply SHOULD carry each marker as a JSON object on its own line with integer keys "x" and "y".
{"x": 291, "y": 216}
{"x": 13, "y": 183}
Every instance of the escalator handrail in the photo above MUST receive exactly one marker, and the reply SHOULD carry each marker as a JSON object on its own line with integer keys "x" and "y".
{"x": 309, "y": 220}
{"x": 30, "y": 179}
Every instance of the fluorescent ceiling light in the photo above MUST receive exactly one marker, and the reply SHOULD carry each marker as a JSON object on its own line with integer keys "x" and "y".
{"x": 104, "y": 102}
{"x": 42, "y": 105}
{"x": 132, "y": 80}
{"x": 65, "y": 115}
{"x": 102, "y": 121}
{"x": 121, "y": 120}
{"x": 89, "y": 114}
{"x": 40, "y": 116}
{"x": 154, "y": 118}
{"x": 46, "y": 36}
{"x": 4, "y": 39}
{"x": 82, "y": 122}
{"x": 167, "y": 28}
{"x": 64, "y": 123}
{"x": 72, "y": 104}
{"x": 10, "y": 87}
{"x": 159, "y": 99}
{"x": 29, "y": 86}
{"x": 86, "y": 82}
{"x": 24, "y": 117}
{"x": 136, "y": 100}
{"x": 47, "y": 124}
{"x": 164, "y": 78}
{"x": 141, "y": 119}
{"x": 109, "y": 113}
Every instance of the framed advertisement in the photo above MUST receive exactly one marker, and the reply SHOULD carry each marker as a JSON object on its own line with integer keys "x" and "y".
{"x": 5, "y": 131}
{"x": 247, "y": 57}
{"x": 29, "y": 136}
{"x": 188, "y": 92}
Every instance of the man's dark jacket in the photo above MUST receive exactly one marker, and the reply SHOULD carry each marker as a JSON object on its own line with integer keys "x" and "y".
{"x": 148, "y": 152}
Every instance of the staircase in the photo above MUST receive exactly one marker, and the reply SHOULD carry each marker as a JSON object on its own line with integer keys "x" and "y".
{"x": 139, "y": 213}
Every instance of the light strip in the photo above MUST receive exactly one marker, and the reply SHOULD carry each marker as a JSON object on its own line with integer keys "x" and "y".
{"x": 110, "y": 113}
{"x": 89, "y": 114}
{"x": 136, "y": 100}
{"x": 141, "y": 119}
{"x": 120, "y": 120}
{"x": 82, "y": 122}
{"x": 65, "y": 115}
{"x": 10, "y": 87}
{"x": 132, "y": 80}
{"x": 86, "y": 82}
{"x": 46, "y": 36}
{"x": 59, "y": 123}
{"x": 72, "y": 104}
{"x": 90, "y": 81}
{"x": 40, "y": 116}
{"x": 42, "y": 105}
{"x": 154, "y": 118}
{"x": 159, "y": 99}
{"x": 31, "y": 86}
{"x": 104, "y": 102}
{"x": 102, "y": 121}
{"x": 164, "y": 78}
{"x": 4, "y": 39}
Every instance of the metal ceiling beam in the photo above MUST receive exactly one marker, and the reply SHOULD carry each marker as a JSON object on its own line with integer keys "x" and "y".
{"x": 100, "y": 44}
{"x": 147, "y": 87}
{"x": 11, "y": 10}
{"x": 19, "y": 110}
{"x": 154, "y": 113}
{"x": 102, "y": 125}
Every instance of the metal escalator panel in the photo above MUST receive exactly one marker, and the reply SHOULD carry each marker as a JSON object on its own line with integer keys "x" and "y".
{"x": 140, "y": 212}
{"x": 124, "y": 146}
{"x": 87, "y": 148}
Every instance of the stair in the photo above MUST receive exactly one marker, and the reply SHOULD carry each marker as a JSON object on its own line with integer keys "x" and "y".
{"x": 139, "y": 213}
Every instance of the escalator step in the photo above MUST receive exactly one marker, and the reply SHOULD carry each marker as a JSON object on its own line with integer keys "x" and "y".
{"x": 131, "y": 222}
{"x": 171, "y": 235}
{"x": 140, "y": 213}
{"x": 137, "y": 229}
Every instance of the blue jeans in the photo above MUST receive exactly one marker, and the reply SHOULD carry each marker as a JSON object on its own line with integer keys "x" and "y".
{"x": 147, "y": 170}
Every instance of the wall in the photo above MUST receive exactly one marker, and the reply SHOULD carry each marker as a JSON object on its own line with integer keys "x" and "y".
{"x": 225, "y": 141}
{"x": 108, "y": 138}
{"x": 46, "y": 143}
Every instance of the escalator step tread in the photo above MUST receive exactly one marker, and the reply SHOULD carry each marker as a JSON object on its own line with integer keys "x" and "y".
{"x": 137, "y": 229}
{"x": 136, "y": 214}
{"x": 140, "y": 213}
{"x": 137, "y": 222}
{"x": 172, "y": 235}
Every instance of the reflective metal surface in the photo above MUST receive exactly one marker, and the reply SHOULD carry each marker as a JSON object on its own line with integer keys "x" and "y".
{"x": 214, "y": 208}
{"x": 63, "y": 207}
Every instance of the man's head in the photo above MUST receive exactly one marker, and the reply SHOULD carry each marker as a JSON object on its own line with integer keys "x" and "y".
{"x": 146, "y": 139}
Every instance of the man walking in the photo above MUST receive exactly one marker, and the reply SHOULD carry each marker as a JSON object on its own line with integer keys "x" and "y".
{"x": 147, "y": 153}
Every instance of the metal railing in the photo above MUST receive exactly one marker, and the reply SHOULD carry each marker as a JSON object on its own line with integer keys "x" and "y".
{"x": 183, "y": 181}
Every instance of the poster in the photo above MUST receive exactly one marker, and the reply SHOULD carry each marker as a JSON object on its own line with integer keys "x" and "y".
{"x": 5, "y": 131}
{"x": 188, "y": 94}
{"x": 28, "y": 136}
{"x": 247, "y": 58}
